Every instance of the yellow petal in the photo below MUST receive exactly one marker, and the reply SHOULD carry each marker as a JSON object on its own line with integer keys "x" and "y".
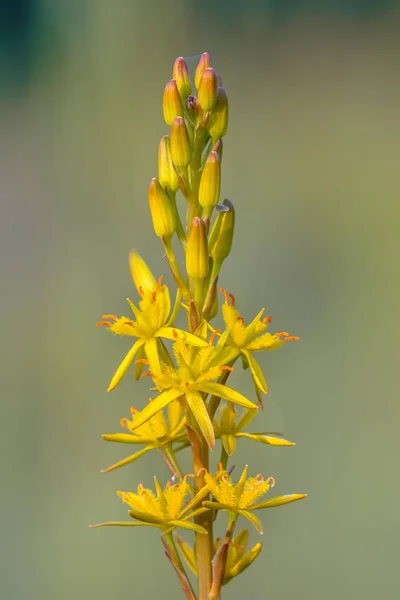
{"x": 278, "y": 501}
{"x": 271, "y": 440}
{"x": 198, "y": 408}
{"x": 225, "y": 392}
{"x": 155, "y": 406}
{"x": 126, "y": 461}
{"x": 255, "y": 521}
{"x": 256, "y": 372}
{"x": 124, "y": 366}
{"x": 171, "y": 333}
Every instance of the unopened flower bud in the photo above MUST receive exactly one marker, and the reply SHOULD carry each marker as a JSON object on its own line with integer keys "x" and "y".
{"x": 162, "y": 211}
{"x": 181, "y": 76}
{"x": 210, "y": 183}
{"x": 244, "y": 562}
{"x": 167, "y": 174}
{"x": 197, "y": 260}
{"x": 221, "y": 235}
{"x": 207, "y": 92}
{"x": 180, "y": 144}
{"x": 141, "y": 274}
{"x": 218, "y": 123}
{"x": 204, "y": 63}
{"x": 172, "y": 103}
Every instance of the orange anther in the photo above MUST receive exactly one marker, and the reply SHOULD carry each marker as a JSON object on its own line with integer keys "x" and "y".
{"x": 141, "y": 292}
{"x": 281, "y": 334}
{"x": 292, "y": 338}
{"x": 214, "y": 333}
{"x": 267, "y": 319}
{"x": 128, "y": 323}
{"x": 271, "y": 481}
{"x": 175, "y": 334}
{"x": 109, "y": 317}
{"x": 153, "y": 297}
{"x": 133, "y": 410}
{"x": 225, "y": 293}
{"x": 144, "y": 361}
{"x": 123, "y": 422}
{"x": 240, "y": 319}
{"x": 101, "y": 323}
{"x": 159, "y": 282}
{"x": 147, "y": 374}
{"x": 226, "y": 368}
{"x": 232, "y": 297}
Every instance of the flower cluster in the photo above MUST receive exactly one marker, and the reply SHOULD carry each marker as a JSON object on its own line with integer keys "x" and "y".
{"x": 192, "y": 406}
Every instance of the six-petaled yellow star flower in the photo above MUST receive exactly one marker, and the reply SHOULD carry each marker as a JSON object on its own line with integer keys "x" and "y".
{"x": 192, "y": 380}
{"x": 150, "y": 323}
{"x": 242, "y": 498}
{"x": 159, "y": 433}
{"x": 165, "y": 509}
{"x": 243, "y": 340}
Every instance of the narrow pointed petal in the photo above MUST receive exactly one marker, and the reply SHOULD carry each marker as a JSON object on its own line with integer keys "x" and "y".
{"x": 171, "y": 333}
{"x": 255, "y": 521}
{"x": 278, "y": 501}
{"x": 216, "y": 505}
{"x": 256, "y": 372}
{"x": 227, "y": 393}
{"x": 126, "y": 438}
{"x": 155, "y": 406}
{"x": 124, "y": 366}
{"x": 229, "y": 443}
{"x": 126, "y": 461}
{"x": 122, "y": 524}
{"x": 151, "y": 351}
{"x": 187, "y": 553}
{"x": 195, "y": 513}
{"x": 145, "y": 517}
{"x": 244, "y": 562}
{"x": 199, "y": 410}
{"x": 271, "y": 440}
{"x": 187, "y": 525}
{"x": 246, "y": 419}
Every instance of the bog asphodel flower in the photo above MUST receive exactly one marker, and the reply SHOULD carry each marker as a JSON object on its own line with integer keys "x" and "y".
{"x": 245, "y": 340}
{"x": 159, "y": 433}
{"x": 165, "y": 509}
{"x": 151, "y": 322}
{"x": 193, "y": 378}
{"x": 241, "y": 498}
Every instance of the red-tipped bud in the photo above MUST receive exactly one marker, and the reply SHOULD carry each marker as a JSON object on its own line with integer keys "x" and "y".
{"x": 180, "y": 144}
{"x": 207, "y": 92}
{"x": 218, "y": 123}
{"x": 210, "y": 183}
{"x": 181, "y": 76}
{"x": 167, "y": 174}
{"x": 162, "y": 211}
{"x": 172, "y": 103}
{"x": 204, "y": 63}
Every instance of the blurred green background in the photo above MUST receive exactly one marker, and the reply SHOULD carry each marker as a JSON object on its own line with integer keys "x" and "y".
{"x": 311, "y": 162}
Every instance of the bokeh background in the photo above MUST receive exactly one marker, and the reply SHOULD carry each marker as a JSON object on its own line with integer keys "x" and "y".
{"x": 311, "y": 162}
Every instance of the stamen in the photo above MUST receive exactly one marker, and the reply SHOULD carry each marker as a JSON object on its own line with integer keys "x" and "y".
{"x": 292, "y": 338}
{"x": 267, "y": 319}
{"x": 159, "y": 282}
{"x": 281, "y": 334}
{"x": 240, "y": 319}
{"x": 101, "y": 323}
{"x": 260, "y": 476}
{"x": 271, "y": 481}
{"x": 133, "y": 410}
{"x": 128, "y": 323}
{"x": 214, "y": 333}
{"x": 232, "y": 297}
{"x": 123, "y": 422}
{"x": 175, "y": 334}
{"x": 225, "y": 293}
{"x": 188, "y": 475}
{"x": 226, "y": 368}
{"x": 147, "y": 374}
{"x": 141, "y": 292}
{"x": 144, "y": 361}
{"x": 109, "y": 317}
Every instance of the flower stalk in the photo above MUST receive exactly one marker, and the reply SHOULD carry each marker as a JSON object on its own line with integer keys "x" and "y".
{"x": 192, "y": 407}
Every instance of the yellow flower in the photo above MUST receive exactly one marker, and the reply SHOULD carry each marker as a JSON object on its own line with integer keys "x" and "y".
{"x": 242, "y": 498}
{"x": 244, "y": 340}
{"x": 193, "y": 378}
{"x": 150, "y": 323}
{"x": 165, "y": 509}
{"x": 230, "y": 426}
{"x": 158, "y": 433}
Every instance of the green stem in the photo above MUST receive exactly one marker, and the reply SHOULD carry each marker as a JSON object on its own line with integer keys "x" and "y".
{"x": 204, "y": 542}
{"x": 170, "y": 456}
{"x": 179, "y": 227}
{"x": 170, "y": 544}
{"x": 175, "y": 268}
